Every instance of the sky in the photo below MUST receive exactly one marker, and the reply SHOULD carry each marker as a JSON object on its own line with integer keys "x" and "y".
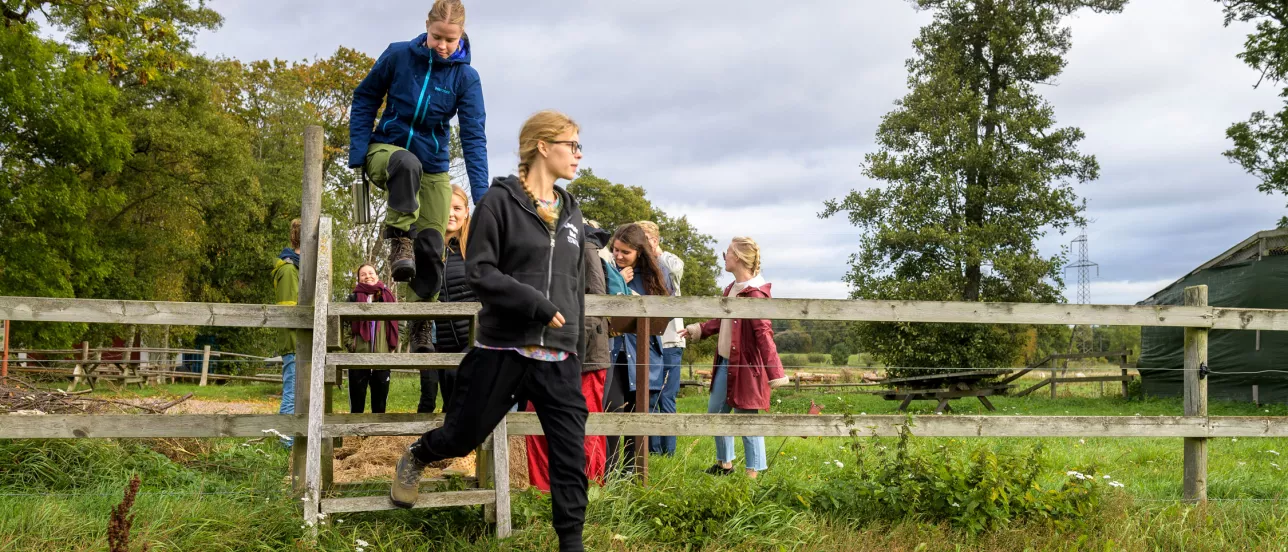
{"x": 746, "y": 115}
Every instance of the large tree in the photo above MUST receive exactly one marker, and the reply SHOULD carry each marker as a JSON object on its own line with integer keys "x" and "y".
{"x": 612, "y": 205}
{"x": 1261, "y": 142}
{"x": 974, "y": 171}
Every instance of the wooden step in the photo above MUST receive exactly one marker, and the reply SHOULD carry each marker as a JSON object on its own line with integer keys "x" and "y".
{"x": 382, "y": 361}
{"x": 425, "y": 500}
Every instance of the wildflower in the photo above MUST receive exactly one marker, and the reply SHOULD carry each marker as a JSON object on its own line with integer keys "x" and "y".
{"x": 1273, "y": 452}
{"x": 1107, "y": 477}
{"x": 863, "y": 413}
{"x": 1243, "y": 463}
{"x": 275, "y": 433}
{"x": 660, "y": 504}
{"x": 839, "y": 464}
{"x": 1234, "y": 439}
{"x": 956, "y": 505}
{"x": 1082, "y": 441}
{"x": 619, "y": 537}
{"x": 780, "y": 401}
{"x": 1116, "y": 484}
{"x": 1275, "y": 465}
{"x": 362, "y": 543}
{"x": 1071, "y": 473}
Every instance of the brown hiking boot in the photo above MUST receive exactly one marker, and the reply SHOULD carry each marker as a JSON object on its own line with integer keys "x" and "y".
{"x": 422, "y": 336}
{"x": 402, "y": 259}
{"x": 406, "y": 485}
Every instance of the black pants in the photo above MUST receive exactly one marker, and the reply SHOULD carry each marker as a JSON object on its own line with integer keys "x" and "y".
{"x": 488, "y": 384}
{"x": 359, "y": 380}
{"x": 431, "y": 381}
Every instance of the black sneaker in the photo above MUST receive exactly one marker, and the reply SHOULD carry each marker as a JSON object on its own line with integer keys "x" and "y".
{"x": 422, "y": 336}
{"x": 402, "y": 259}
{"x": 717, "y": 469}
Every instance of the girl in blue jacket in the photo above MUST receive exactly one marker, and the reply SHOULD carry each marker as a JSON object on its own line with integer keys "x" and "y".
{"x": 422, "y": 84}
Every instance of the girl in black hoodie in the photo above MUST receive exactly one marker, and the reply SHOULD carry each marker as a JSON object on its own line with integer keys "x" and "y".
{"x": 451, "y": 336}
{"x": 525, "y": 264}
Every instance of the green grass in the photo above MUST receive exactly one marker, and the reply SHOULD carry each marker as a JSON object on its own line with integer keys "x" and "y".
{"x": 229, "y": 495}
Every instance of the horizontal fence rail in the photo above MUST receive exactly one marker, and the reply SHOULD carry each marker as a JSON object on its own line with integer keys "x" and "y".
{"x": 37, "y": 309}
{"x": 866, "y": 311}
{"x": 70, "y": 426}
{"x": 160, "y": 313}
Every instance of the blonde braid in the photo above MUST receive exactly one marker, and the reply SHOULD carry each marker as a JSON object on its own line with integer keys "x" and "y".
{"x": 747, "y": 251}
{"x": 543, "y": 126}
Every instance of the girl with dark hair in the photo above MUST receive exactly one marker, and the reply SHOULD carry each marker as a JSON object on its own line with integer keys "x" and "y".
{"x": 645, "y": 275}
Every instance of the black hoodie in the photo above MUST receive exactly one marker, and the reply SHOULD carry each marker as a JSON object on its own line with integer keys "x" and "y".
{"x": 523, "y": 273}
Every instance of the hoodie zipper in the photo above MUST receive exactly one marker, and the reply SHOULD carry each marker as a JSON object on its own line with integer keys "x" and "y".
{"x": 550, "y": 260}
{"x": 411, "y": 128}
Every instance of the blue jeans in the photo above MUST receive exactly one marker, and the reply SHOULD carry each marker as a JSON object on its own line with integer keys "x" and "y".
{"x": 664, "y": 401}
{"x": 288, "y": 388}
{"x": 753, "y": 447}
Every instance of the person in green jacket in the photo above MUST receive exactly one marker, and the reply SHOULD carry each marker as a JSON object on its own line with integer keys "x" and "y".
{"x": 286, "y": 291}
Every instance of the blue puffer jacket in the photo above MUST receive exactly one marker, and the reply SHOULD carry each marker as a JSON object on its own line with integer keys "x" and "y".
{"x": 424, "y": 92}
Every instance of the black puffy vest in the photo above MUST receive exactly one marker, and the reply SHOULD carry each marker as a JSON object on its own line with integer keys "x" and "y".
{"x": 454, "y": 335}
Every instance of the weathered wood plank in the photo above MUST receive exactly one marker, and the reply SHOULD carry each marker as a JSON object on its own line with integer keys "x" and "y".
{"x": 425, "y": 500}
{"x": 76, "y": 426}
{"x": 319, "y": 453}
{"x": 501, "y": 478}
{"x": 403, "y": 311}
{"x": 525, "y": 423}
{"x": 1194, "y": 487}
{"x": 874, "y": 311}
{"x": 424, "y": 361}
{"x": 310, "y": 223}
{"x": 109, "y": 311}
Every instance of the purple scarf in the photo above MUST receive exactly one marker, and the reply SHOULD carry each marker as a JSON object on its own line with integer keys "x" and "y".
{"x": 367, "y": 328}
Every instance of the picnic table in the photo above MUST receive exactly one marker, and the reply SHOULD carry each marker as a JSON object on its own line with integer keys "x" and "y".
{"x": 947, "y": 387}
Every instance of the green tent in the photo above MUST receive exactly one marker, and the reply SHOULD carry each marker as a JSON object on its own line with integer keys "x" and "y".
{"x": 1253, "y": 274}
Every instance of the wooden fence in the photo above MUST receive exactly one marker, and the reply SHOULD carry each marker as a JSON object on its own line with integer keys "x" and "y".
{"x": 317, "y": 321}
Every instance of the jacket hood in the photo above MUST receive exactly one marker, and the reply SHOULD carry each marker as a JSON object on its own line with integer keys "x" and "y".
{"x": 597, "y": 236}
{"x": 289, "y": 255}
{"x": 462, "y": 54}
{"x": 512, "y": 185}
{"x": 757, "y": 283}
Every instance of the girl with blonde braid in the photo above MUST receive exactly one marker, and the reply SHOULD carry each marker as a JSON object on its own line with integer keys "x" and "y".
{"x": 746, "y": 358}
{"x": 525, "y": 264}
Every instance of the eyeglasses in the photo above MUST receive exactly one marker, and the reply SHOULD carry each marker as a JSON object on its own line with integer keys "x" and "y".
{"x": 576, "y": 146}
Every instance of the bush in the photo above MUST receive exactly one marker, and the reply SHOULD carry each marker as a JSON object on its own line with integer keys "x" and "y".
{"x": 976, "y": 490}
{"x": 792, "y": 360}
{"x": 817, "y": 358}
{"x": 840, "y": 354}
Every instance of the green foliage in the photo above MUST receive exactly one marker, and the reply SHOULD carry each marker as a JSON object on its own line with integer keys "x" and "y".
{"x": 1261, "y": 142}
{"x": 612, "y": 205}
{"x": 841, "y": 354}
{"x": 817, "y": 358}
{"x": 975, "y": 172}
{"x": 794, "y": 342}
{"x": 976, "y": 490}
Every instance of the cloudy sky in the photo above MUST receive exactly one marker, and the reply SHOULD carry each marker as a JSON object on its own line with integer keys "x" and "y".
{"x": 746, "y": 115}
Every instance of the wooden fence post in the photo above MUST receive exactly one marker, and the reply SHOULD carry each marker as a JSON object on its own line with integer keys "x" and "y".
{"x": 318, "y": 463}
{"x": 501, "y": 478}
{"x": 1122, "y": 364}
{"x": 642, "y": 351}
{"x": 1053, "y": 381}
{"x": 4, "y": 358}
{"x": 1196, "y": 357}
{"x": 205, "y": 365}
{"x": 310, "y": 218}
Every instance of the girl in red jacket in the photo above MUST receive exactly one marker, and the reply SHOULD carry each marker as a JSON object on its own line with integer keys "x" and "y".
{"x": 746, "y": 358}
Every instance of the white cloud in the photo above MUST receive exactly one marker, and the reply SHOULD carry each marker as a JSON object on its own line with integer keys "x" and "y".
{"x": 746, "y": 117}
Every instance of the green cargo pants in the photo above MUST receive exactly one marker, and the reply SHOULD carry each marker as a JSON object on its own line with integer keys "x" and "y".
{"x": 423, "y": 203}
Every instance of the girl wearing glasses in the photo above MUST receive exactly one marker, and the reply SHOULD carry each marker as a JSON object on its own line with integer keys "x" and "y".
{"x": 525, "y": 264}
{"x": 422, "y": 83}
